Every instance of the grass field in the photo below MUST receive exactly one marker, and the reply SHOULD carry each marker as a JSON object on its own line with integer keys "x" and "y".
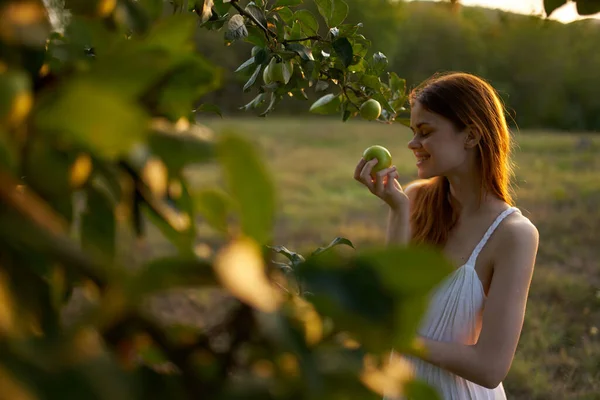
{"x": 557, "y": 187}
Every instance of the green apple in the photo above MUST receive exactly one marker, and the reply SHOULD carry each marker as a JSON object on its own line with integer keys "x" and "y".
{"x": 370, "y": 110}
{"x": 383, "y": 156}
{"x": 274, "y": 72}
{"x": 267, "y": 75}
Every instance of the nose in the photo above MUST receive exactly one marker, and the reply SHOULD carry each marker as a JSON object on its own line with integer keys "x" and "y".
{"x": 414, "y": 143}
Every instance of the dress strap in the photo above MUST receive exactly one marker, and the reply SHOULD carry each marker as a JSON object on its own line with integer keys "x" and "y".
{"x": 489, "y": 233}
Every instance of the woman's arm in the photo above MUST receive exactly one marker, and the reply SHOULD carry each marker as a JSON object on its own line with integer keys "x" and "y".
{"x": 488, "y": 361}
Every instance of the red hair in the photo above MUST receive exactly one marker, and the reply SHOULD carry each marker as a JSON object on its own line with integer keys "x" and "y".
{"x": 467, "y": 101}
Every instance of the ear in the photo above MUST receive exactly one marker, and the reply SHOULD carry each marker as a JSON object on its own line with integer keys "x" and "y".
{"x": 472, "y": 138}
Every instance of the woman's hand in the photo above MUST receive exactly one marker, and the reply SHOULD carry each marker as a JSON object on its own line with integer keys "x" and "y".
{"x": 384, "y": 184}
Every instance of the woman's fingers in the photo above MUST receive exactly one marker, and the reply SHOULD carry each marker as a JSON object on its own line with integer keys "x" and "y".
{"x": 359, "y": 168}
{"x": 365, "y": 174}
{"x": 392, "y": 183}
{"x": 380, "y": 177}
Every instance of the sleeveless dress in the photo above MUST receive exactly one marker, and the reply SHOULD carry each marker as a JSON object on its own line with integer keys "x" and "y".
{"x": 454, "y": 315}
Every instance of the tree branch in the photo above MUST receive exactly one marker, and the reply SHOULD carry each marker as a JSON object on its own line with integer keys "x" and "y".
{"x": 315, "y": 37}
{"x": 347, "y": 97}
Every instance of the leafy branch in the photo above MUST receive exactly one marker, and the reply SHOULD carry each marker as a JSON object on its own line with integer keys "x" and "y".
{"x": 315, "y": 37}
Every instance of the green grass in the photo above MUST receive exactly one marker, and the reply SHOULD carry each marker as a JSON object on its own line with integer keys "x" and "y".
{"x": 557, "y": 187}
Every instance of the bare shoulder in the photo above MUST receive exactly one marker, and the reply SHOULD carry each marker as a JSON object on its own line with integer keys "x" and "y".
{"x": 518, "y": 242}
{"x": 518, "y": 228}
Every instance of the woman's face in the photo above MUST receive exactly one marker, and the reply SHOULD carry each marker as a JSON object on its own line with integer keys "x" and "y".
{"x": 438, "y": 146}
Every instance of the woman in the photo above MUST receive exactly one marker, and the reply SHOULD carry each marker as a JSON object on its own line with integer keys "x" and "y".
{"x": 462, "y": 204}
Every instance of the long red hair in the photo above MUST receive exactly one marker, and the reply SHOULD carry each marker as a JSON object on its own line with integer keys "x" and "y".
{"x": 467, "y": 101}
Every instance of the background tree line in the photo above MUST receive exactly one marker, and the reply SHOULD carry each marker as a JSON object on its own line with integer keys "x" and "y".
{"x": 547, "y": 72}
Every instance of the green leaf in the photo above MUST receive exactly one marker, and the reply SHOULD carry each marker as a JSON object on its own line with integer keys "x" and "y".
{"x": 174, "y": 33}
{"x": 333, "y": 11}
{"x": 397, "y": 85}
{"x": 256, "y": 36}
{"x": 588, "y": 7}
{"x": 221, "y": 6}
{"x": 258, "y": 14}
{"x": 295, "y": 33}
{"x": 310, "y": 26}
{"x": 256, "y": 102}
{"x": 378, "y": 63}
{"x": 287, "y": 69}
{"x": 371, "y": 81}
{"x": 295, "y": 258}
{"x": 250, "y": 185}
{"x": 273, "y": 101}
{"x": 333, "y": 282}
{"x": 303, "y": 51}
{"x": 245, "y": 64}
{"x": 261, "y": 56}
{"x": 343, "y": 49}
{"x": 289, "y": 3}
{"x": 116, "y": 68}
{"x": 399, "y": 280}
{"x": 113, "y": 127}
{"x": 420, "y": 390}
{"x": 409, "y": 271}
{"x": 214, "y": 206}
{"x": 360, "y": 45}
{"x": 551, "y": 5}
{"x": 98, "y": 224}
{"x": 321, "y": 86}
{"x": 211, "y": 108}
{"x": 335, "y": 242}
{"x": 180, "y": 148}
{"x": 287, "y": 15}
{"x": 153, "y": 8}
{"x": 349, "y": 30}
{"x": 252, "y": 79}
{"x": 193, "y": 78}
{"x": 327, "y": 104}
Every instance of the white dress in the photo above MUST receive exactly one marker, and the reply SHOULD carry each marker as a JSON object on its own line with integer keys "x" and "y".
{"x": 454, "y": 315}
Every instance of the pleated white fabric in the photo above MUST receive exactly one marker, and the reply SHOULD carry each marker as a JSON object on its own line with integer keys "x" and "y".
{"x": 454, "y": 315}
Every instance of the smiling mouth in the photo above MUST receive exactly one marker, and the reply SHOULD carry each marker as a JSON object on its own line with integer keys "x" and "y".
{"x": 422, "y": 159}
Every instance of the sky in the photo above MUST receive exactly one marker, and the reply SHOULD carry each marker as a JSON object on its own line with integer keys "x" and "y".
{"x": 566, "y": 13}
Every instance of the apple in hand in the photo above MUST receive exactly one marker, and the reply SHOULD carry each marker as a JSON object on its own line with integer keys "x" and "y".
{"x": 383, "y": 156}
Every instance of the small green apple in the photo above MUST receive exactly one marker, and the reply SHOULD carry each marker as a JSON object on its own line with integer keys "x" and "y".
{"x": 370, "y": 110}
{"x": 267, "y": 75}
{"x": 383, "y": 156}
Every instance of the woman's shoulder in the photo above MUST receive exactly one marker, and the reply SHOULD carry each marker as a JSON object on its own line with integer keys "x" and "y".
{"x": 517, "y": 231}
{"x": 519, "y": 225}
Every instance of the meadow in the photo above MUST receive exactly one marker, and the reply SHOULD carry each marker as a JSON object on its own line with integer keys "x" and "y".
{"x": 557, "y": 186}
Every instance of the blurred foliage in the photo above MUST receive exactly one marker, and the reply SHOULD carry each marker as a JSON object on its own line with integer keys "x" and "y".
{"x": 94, "y": 144}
